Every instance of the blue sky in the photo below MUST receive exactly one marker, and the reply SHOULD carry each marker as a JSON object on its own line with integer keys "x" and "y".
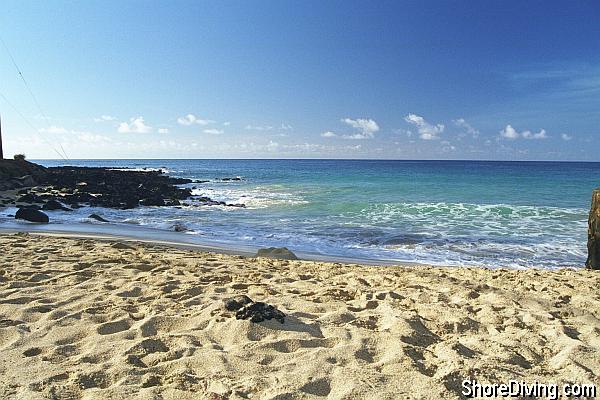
{"x": 311, "y": 79}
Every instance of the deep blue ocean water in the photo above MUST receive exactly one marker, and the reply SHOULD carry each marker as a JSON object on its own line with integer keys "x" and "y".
{"x": 495, "y": 214}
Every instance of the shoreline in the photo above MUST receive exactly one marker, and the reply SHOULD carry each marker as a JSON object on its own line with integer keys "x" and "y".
{"x": 177, "y": 240}
{"x": 102, "y": 319}
{"x": 427, "y": 233}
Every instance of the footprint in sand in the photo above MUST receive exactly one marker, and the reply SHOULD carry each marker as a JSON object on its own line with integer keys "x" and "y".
{"x": 97, "y": 379}
{"x": 110, "y": 328}
{"x": 32, "y": 352}
{"x": 319, "y": 387}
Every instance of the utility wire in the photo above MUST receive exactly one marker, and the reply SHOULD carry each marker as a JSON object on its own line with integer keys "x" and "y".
{"x": 30, "y": 124}
{"x": 65, "y": 157}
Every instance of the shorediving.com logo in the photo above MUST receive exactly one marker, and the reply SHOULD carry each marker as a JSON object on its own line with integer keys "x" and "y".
{"x": 514, "y": 388}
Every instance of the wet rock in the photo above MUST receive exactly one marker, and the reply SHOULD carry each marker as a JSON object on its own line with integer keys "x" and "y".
{"x": 30, "y": 207}
{"x": 97, "y": 218}
{"x": 237, "y": 302}
{"x": 32, "y": 215}
{"x": 278, "y": 253}
{"x": 259, "y": 311}
{"x": 29, "y": 198}
{"x": 153, "y": 201}
{"x": 105, "y": 187}
{"x": 55, "y": 205}
{"x": 180, "y": 228}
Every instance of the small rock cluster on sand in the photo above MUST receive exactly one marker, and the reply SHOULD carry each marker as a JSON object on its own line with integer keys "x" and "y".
{"x": 254, "y": 311}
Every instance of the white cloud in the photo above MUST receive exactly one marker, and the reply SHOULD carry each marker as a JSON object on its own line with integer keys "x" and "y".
{"x": 88, "y": 137}
{"x": 191, "y": 119}
{"x": 135, "y": 125}
{"x": 566, "y": 137}
{"x": 461, "y": 122}
{"x": 53, "y": 129}
{"x": 213, "y": 131}
{"x": 163, "y": 130}
{"x": 328, "y": 134}
{"x": 259, "y": 127}
{"x": 426, "y": 130}
{"x": 282, "y": 127}
{"x": 226, "y": 123}
{"x": 540, "y": 135}
{"x": 366, "y": 126}
{"x": 511, "y": 133}
{"x": 104, "y": 118}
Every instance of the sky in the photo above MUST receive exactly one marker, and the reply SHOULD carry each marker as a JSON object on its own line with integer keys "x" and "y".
{"x": 493, "y": 80}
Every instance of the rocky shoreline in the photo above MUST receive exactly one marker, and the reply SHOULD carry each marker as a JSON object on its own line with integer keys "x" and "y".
{"x": 31, "y": 187}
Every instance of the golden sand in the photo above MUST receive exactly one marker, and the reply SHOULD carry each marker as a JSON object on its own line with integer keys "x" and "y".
{"x": 89, "y": 319}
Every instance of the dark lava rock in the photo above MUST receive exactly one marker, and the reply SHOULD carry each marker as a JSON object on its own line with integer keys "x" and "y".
{"x": 29, "y": 198}
{"x": 106, "y": 187}
{"x": 259, "y": 311}
{"x": 237, "y": 302}
{"x": 153, "y": 201}
{"x": 237, "y": 178}
{"x": 30, "y": 207}
{"x": 97, "y": 218}
{"x": 32, "y": 215}
{"x": 55, "y": 205}
{"x": 278, "y": 253}
{"x": 180, "y": 228}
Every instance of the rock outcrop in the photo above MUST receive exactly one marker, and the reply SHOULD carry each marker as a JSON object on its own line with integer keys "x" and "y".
{"x": 593, "y": 260}
{"x": 32, "y": 215}
{"x": 16, "y": 174}
{"x": 97, "y": 218}
{"x": 66, "y": 188}
{"x": 278, "y": 253}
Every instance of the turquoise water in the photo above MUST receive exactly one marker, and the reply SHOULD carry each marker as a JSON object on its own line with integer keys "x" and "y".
{"x": 509, "y": 214}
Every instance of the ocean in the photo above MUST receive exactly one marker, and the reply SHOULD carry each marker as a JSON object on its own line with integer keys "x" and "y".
{"x": 447, "y": 213}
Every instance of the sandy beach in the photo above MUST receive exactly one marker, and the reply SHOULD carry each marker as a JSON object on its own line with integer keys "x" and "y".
{"x": 91, "y": 319}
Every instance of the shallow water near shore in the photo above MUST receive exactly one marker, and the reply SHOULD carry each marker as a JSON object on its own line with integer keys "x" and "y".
{"x": 494, "y": 214}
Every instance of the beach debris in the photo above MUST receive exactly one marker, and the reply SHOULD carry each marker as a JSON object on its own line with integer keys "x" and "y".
{"x": 593, "y": 259}
{"x": 278, "y": 253}
{"x": 237, "y": 302}
{"x": 31, "y": 215}
{"x": 254, "y": 311}
{"x": 97, "y": 218}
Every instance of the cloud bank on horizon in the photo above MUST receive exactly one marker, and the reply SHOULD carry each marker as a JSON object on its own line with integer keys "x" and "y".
{"x": 428, "y": 80}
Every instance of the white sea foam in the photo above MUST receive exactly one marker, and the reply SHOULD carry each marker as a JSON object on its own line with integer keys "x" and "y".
{"x": 252, "y": 197}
